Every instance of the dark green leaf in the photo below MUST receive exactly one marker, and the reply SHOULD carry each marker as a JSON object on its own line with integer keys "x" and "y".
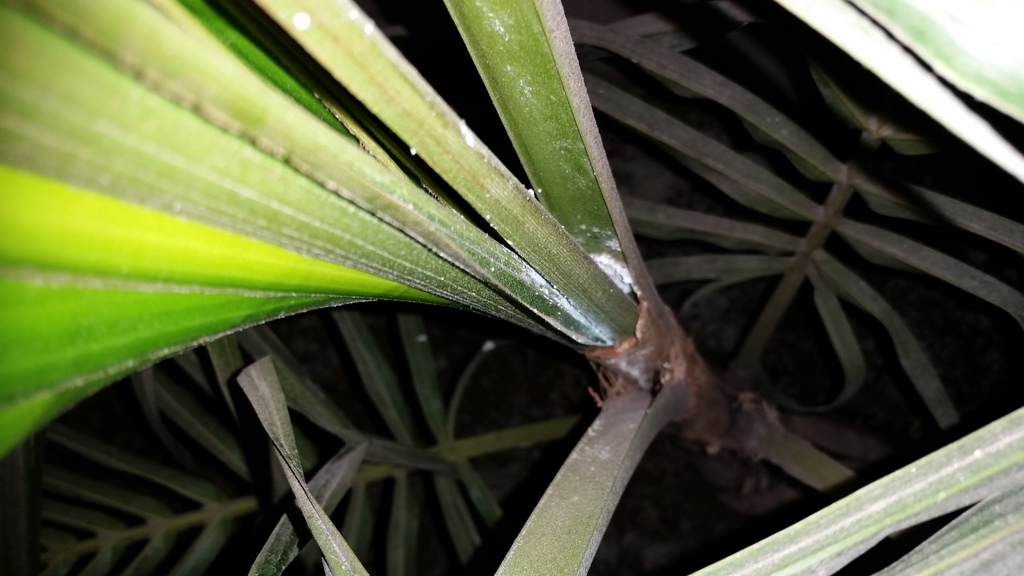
{"x": 843, "y": 281}
{"x": 763, "y": 190}
{"x": 655, "y": 220}
{"x": 328, "y": 487}
{"x": 423, "y": 369}
{"x": 260, "y": 383}
{"x": 379, "y": 379}
{"x": 562, "y": 534}
{"x": 403, "y": 529}
{"x": 195, "y": 488}
{"x": 204, "y": 549}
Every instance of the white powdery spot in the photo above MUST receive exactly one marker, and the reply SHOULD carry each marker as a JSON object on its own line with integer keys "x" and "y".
{"x": 301, "y": 21}
{"x": 500, "y": 30}
{"x": 421, "y": 338}
{"x": 467, "y": 134}
{"x": 412, "y": 150}
{"x": 616, "y": 270}
{"x": 353, "y": 14}
{"x": 368, "y": 28}
{"x": 532, "y": 193}
{"x": 488, "y": 346}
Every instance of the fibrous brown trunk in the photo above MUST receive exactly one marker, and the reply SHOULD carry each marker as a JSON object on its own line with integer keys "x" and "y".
{"x": 661, "y": 354}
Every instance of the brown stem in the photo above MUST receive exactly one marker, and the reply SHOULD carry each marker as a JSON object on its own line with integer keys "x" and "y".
{"x": 749, "y": 357}
{"x": 661, "y": 354}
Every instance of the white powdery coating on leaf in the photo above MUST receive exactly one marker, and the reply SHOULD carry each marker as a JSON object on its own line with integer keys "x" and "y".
{"x": 616, "y": 270}
{"x": 467, "y": 134}
{"x": 488, "y": 346}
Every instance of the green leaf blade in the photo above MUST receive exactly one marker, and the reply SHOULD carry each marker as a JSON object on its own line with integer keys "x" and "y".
{"x": 374, "y": 71}
{"x": 260, "y": 384}
{"x": 328, "y": 487}
{"x": 46, "y": 365}
{"x": 762, "y": 189}
{"x": 379, "y": 379}
{"x": 534, "y": 82}
{"x": 987, "y": 462}
{"x": 870, "y": 43}
{"x": 986, "y": 539}
{"x": 977, "y": 50}
{"x": 565, "y": 528}
{"x": 423, "y": 369}
{"x": 403, "y": 529}
{"x": 912, "y": 356}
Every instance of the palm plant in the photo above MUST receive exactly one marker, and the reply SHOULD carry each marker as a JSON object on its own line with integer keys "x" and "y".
{"x": 233, "y": 162}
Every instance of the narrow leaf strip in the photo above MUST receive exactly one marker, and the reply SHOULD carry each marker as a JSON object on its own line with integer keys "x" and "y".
{"x": 308, "y": 399}
{"x": 843, "y": 281}
{"x": 226, "y": 357}
{"x": 872, "y": 46}
{"x": 302, "y": 395}
{"x": 75, "y": 516}
{"x": 526, "y": 59}
{"x": 801, "y": 460}
{"x": 483, "y": 500}
{"x": 465, "y": 379}
{"x": 189, "y": 362}
{"x": 715, "y": 267}
{"x": 260, "y": 384}
{"x": 144, "y": 386}
{"x": 328, "y": 487}
{"x": 679, "y": 69}
{"x": 987, "y": 539}
{"x": 403, "y": 529}
{"x": 937, "y": 264}
{"x": 152, "y": 554}
{"x": 188, "y": 486}
{"x": 845, "y": 344}
{"x": 206, "y": 429}
{"x": 416, "y": 344}
{"x": 917, "y": 203}
{"x": 379, "y": 379}
{"x": 20, "y": 499}
{"x": 351, "y": 48}
{"x": 785, "y": 200}
{"x": 358, "y": 526}
{"x": 524, "y": 435}
{"x": 566, "y": 527}
{"x": 103, "y": 562}
{"x": 205, "y": 549}
{"x": 208, "y": 12}
{"x": 74, "y": 484}
{"x": 661, "y": 222}
{"x": 982, "y": 464}
{"x": 457, "y": 517}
